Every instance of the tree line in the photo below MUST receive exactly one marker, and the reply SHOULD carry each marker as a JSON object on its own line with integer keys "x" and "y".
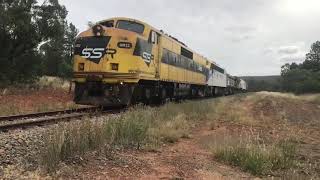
{"x": 303, "y": 77}
{"x": 295, "y": 77}
{"x": 36, "y": 40}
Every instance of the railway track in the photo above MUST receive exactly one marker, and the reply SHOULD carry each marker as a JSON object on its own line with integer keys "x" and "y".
{"x": 36, "y": 119}
{"x": 43, "y": 118}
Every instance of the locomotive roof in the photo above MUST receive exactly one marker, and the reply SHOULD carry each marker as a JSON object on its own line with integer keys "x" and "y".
{"x": 160, "y": 32}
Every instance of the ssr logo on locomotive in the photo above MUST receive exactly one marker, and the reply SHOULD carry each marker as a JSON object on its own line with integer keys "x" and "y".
{"x": 92, "y": 53}
{"x": 147, "y": 57}
{"x": 95, "y": 54}
{"x": 93, "y": 48}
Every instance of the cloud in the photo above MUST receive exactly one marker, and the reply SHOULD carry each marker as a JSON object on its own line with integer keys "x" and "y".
{"x": 288, "y": 50}
{"x": 299, "y": 57}
{"x": 268, "y": 51}
{"x": 294, "y": 52}
{"x": 241, "y": 38}
{"x": 240, "y": 33}
{"x": 240, "y": 29}
{"x": 243, "y": 35}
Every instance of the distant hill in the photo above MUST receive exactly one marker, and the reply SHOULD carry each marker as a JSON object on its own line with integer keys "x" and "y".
{"x": 263, "y": 83}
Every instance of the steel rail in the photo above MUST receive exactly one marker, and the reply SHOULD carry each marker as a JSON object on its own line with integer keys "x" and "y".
{"x": 50, "y": 113}
{"x": 39, "y": 121}
{"x": 54, "y": 118}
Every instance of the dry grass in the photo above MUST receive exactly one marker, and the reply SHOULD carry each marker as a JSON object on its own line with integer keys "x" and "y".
{"x": 264, "y": 146}
{"x": 253, "y": 155}
{"x": 45, "y": 82}
{"x": 314, "y": 98}
{"x": 23, "y": 107}
{"x": 279, "y": 118}
{"x": 53, "y": 82}
{"x": 48, "y": 94}
{"x": 16, "y": 172}
{"x": 139, "y": 128}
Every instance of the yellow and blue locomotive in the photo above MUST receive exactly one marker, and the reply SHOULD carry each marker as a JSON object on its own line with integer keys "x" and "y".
{"x": 121, "y": 61}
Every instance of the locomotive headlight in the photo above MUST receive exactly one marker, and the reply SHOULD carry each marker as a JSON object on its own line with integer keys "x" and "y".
{"x": 125, "y": 45}
{"x": 98, "y": 30}
{"x": 81, "y": 66}
{"x": 114, "y": 66}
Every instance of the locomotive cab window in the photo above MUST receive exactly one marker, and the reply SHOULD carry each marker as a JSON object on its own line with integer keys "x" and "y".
{"x": 153, "y": 37}
{"x": 107, "y": 23}
{"x": 130, "y": 26}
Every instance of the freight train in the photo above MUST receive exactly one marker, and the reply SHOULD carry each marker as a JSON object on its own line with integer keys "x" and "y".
{"x": 122, "y": 61}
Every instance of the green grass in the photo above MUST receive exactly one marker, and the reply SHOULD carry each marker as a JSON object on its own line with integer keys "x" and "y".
{"x": 259, "y": 159}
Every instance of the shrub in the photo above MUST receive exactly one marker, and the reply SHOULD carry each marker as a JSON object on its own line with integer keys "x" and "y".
{"x": 258, "y": 159}
{"x": 130, "y": 129}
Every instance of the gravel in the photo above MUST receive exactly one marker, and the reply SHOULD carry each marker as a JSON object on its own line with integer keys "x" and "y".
{"x": 22, "y": 147}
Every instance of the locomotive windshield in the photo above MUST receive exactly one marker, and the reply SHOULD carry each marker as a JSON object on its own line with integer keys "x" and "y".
{"x": 130, "y": 26}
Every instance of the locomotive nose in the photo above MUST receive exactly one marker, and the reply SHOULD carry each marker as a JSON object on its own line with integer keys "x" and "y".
{"x": 92, "y": 48}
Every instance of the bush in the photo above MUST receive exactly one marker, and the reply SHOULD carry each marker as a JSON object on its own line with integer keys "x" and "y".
{"x": 258, "y": 159}
{"x": 130, "y": 129}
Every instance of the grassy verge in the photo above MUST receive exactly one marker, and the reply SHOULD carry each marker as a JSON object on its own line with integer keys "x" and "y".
{"x": 258, "y": 159}
{"x": 140, "y": 128}
{"x": 148, "y": 128}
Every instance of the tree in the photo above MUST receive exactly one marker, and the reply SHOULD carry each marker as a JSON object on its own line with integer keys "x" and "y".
{"x": 19, "y": 37}
{"x": 304, "y": 77}
{"x": 70, "y": 36}
{"x": 56, "y": 52}
{"x": 25, "y": 26}
{"x": 312, "y": 61}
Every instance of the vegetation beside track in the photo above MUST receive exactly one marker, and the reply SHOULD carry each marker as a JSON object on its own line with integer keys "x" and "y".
{"x": 148, "y": 128}
{"x": 47, "y": 94}
{"x": 140, "y": 127}
{"x": 264, "y": 134}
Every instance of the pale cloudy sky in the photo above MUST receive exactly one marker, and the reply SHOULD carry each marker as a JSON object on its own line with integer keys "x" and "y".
{"x": 247, "y": 37}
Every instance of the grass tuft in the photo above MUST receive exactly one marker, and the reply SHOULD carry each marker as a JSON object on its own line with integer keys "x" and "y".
{"x": 258, "y": 159}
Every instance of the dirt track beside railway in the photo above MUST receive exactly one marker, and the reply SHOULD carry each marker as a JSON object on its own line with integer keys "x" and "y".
{"x": 189, "y": 158}
{"x": 31, "y": 101}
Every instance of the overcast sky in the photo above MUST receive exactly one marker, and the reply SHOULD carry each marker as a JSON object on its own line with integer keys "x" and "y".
{"x": 247, "y": 37}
